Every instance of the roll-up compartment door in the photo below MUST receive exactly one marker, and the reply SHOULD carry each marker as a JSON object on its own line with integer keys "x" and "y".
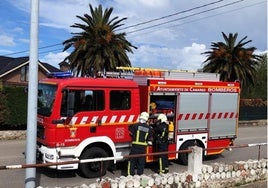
{"x": 224, "y": 112}
{"x": 192, "y": 110}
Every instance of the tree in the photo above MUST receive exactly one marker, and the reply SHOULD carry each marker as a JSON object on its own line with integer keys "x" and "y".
{"x": 259, "y": 90}
{"x": 97, "y": 47}
{"x": 232, "y": 60}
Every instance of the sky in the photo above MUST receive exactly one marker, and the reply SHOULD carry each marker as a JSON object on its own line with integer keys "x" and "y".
{"x": 168, "y": 34}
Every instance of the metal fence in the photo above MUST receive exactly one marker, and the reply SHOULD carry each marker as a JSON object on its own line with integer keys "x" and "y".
{"x": 126, "y": 157}
{"x": 252, "y": 113}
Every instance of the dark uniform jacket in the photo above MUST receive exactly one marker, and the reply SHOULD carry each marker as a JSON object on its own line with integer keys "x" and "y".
{"x": 160, "y": 132}
{"x": 141, "y": 133}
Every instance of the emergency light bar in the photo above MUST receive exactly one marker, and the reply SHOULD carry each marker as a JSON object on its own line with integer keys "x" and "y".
{"x": 60, "y": 75}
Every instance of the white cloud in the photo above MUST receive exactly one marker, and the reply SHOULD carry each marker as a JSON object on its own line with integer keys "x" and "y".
{"x": 188, "y": 58}
{"x": 191, "y": 57}
{"x": 63, "y": 14}
{"x": 175, "y": 45}
{"x": 54, "y": 58}
{"x": 27, "y": 41}
{"x": 23, "y": 5}
{"x": 257, "y": 52}
{"x": 18, "y": 30}
{"x": 3, "y": 51}
{"x": 6, "y": 40}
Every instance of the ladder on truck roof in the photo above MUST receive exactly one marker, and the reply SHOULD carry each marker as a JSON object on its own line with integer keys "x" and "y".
{"x": 141, "y": 75}
{"x": 152, "y": 73}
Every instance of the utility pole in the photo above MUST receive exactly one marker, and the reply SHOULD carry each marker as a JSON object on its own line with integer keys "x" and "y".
{"x": 30, "y": 174}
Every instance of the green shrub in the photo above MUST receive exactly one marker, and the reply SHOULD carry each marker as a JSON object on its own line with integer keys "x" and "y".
{"x": 3, "y": 107}
{"x": 14, "y": 105}
{"x": 252, "y": 109}
{"x": 252, "y": 103}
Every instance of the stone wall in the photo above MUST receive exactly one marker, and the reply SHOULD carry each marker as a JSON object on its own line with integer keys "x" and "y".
{"x": 217, "y": 175}
{"x": 12, "y": 135}
{"x": 253, "y": 123}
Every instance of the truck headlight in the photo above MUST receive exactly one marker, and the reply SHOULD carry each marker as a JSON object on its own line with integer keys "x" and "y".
{"x": 49, "y": 156}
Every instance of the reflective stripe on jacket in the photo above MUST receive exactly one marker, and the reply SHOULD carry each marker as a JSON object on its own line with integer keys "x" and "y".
{"x": 141, "y": 133}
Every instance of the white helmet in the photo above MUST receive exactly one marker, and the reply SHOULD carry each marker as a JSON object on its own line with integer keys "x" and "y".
{"x": 162, "y": 118}
{"x": 144, "y": 116}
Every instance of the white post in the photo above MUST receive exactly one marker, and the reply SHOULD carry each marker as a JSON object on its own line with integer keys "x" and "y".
{"x": 195, "y": 160}
{"x": 30, "y": 173}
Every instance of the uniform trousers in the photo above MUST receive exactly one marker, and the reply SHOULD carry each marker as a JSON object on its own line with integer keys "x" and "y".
{"x": 136, "y": 162}
{"x": 163, "y": 158}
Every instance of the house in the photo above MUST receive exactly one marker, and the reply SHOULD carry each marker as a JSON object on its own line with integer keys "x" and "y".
{"x": 64, "y": 66}
{"x": 14, "y": 71}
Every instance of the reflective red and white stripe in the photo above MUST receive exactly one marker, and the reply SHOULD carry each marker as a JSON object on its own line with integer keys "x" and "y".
{"x": 104, "y": 119}
{"x": 202, "y": 116}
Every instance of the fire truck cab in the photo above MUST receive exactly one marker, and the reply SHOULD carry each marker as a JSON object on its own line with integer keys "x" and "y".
{"x": 85, "y": 118}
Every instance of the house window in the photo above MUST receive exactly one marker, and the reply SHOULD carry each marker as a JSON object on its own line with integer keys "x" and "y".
{"x": 24, "y": 73}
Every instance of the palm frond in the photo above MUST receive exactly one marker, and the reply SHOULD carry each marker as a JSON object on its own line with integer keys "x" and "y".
{"x": 232, "y": 60}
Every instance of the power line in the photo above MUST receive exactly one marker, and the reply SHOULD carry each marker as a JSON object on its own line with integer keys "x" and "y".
{"x": 184, "y": 17}
{"x": 174, "y": 14}
{"x": 191, "y": 21}
{"x": 199, "y": 18}
{"x": 149, "y": 22}
{"x": 156, "y": 25}
{"x": 26, "y": 51}
{"x": 218, "y": 14}
{"x": 54, "y": 50}
{"x": 50, "y": 46}
{"x": 142, "y": 23}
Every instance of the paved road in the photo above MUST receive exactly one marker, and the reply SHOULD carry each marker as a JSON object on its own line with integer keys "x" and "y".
{"x": 11, "y": 154}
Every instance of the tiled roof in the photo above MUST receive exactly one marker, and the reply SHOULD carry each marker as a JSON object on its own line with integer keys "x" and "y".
{"x": 50, "y": 67}
{"x": 8, "y": 64}
{"x": 64, "y": 63}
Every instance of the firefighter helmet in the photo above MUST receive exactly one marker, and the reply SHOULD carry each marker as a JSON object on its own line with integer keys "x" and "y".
{"x": 144, "y": 116}
{"x": 162, "y": 118}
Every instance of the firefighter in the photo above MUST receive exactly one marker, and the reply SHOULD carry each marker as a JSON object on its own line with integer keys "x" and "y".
{"x": 142, "y": 135}
{"x": 161, "y": 140}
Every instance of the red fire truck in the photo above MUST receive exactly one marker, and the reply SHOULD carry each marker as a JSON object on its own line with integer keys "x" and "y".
{"x": 84, "y": 118}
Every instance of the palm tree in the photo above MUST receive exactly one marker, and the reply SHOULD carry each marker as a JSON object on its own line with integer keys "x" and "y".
{"x": 232, "y": 60}
{"x": 97, "y": 47}
{"x": 259, "y": 90}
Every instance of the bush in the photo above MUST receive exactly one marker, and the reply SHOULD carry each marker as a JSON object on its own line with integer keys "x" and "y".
{"x": 252, "y": 109}
{"x": 14, "y": 105}
{"x": 3, "y": 107}
{"x": 253, "y": 102}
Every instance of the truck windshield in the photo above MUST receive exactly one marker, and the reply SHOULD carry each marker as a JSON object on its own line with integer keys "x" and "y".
{"x": 45, "y": 100}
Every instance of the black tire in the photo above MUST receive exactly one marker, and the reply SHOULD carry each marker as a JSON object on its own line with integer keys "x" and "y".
{"x": 183, "y": 157}
{"x": 93, "y": 169}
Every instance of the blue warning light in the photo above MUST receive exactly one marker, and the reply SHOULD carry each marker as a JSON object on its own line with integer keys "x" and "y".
{"x": 59, "y": 75}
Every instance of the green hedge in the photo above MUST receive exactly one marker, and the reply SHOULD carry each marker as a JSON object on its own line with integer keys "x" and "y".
{"x": 13, "y": 106}
{"x": 252, "y": 113}
{"x": 253, "y": 109}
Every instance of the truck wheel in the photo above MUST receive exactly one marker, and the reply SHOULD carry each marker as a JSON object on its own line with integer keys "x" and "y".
{"x": 183, "y": 157}
{"x": 93, "y": 169}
